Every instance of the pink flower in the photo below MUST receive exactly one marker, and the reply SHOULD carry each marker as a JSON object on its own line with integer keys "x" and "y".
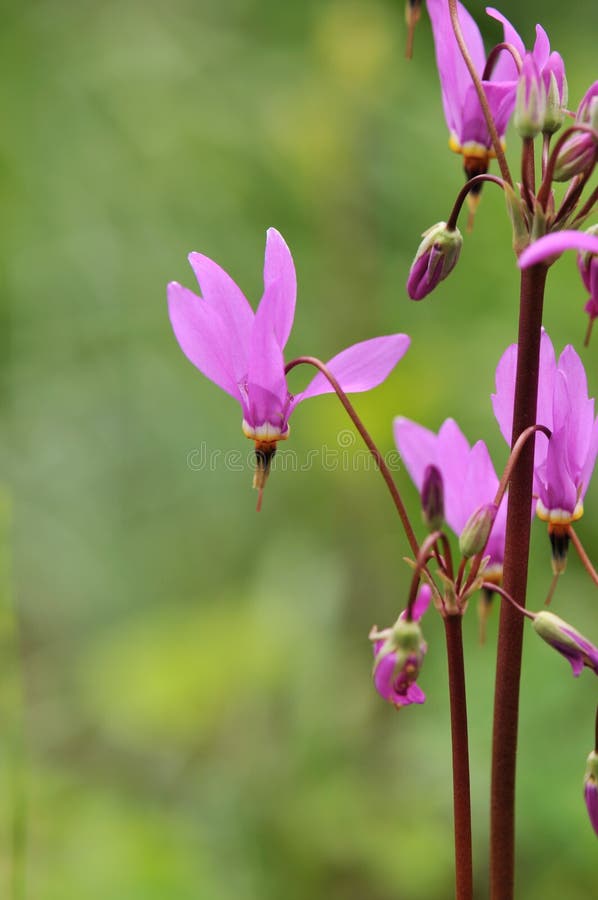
{"x": 399, "y": 654}
{"x": 242, "y": 351}
{"x": 563, "y": 465}
{"x": 468, "y": 477}
{"x": 576, "y": 649}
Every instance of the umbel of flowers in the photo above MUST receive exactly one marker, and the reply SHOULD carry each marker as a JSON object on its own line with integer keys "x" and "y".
{"x": 541, "y": 402}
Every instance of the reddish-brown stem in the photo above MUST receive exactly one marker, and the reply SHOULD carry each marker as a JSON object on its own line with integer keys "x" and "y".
{"x": 528, "y": 172}
{"x": 477, "y": 179}
{"x": 493, "y": 57}
{"x": 571, "y": 198}
{"x": 368, "y": 440}
{"x": 426, "y": 551}
{"x": 544, "y": 192}
{"x": 461, "y": 791}
{"x": 490, "y": 586}
{"x": 596, "y": 732}
{"x": 460, "y": 574}
{"x": 585, "y": 559}
{"x": 510, "y": 637}
{"x": 586, "y": 209}
{"x": 498, "y": 150}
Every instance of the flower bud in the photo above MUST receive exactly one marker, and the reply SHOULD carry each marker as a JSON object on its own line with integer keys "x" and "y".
{"x": 590, "y": 789}
{"x": 555, "y": 85}
{"x": 569, "y": 642}
{"x": 474, "y": 536}
{"x": 578, "y": 152}
{"x": 530, "y": 105}
{"x": 433, "y": 498}
{"x": 436, "y": 257}
{"x": 399, "y": 655}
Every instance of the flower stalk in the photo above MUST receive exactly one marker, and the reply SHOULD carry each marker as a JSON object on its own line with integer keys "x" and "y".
{"x": 510, "y": 638}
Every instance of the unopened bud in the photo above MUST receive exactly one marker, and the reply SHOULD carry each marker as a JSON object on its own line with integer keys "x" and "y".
{"x": 555, "y": 85}
{"x": 433, "y": 498}
{"x": 579, "y": 151}
{"x": 474, "y": 536}
{"x": 567, "y": 640}
{"x": 436, "y": 257}
{"x": 517, "y": 211}
{"x": 530, "y": 105}
{"x": 590, "y": 789}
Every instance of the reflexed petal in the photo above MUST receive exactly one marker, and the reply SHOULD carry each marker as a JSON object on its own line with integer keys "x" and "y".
{"x": 505, "y": 68}
{"x": 280, "y": 286}
{"x": 541, "y": 51}
{"x": 220, "y": 292}
{"x": 203, "y": 337}
{"x": 454, "y": 75}
{"x": 556, "y": 243}
{"x": 266, "y": 363}
{"x": 422, "y": 601}
{"x": 502, "y": 399}
{"x": 360, "y": 367}
{"x": 417, "y": 447}
{"x": 560, "y": 491}
{"x": 590, "y": 462}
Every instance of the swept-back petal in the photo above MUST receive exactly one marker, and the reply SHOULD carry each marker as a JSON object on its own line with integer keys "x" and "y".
{"x": 577, "y": 410}
{"x": 360, "y": 367}
{"x": 454, "y": 75}
{"x": 266, "y": 371}
{"x": 280, "y": 286}
{"x": 453, "y": 454}
{"x": 223, "y": 295}
{"x": 417, "y": 447}
{"x": 541, "y": 50}
{"x": 552, "y": 245}
{"x": 203, "y": 337}
{"x": 559, "y": 490}
{"x": 505, "y": 68}
{"x": 590, "y": 461}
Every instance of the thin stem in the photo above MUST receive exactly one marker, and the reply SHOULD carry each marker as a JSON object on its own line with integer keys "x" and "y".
{"x": 467, "y": 187}
{"x": 368, "y": 440}
{"x": 544, "y": 192}
{"x": 493, "y": 58}
{"x": 426, "y": 551}
{"x": 528, "y": 171}
{"x": 510, "y": 637}
{"x": 460, "y": 747}
{"x": 490, "y": 586}
{"x": 572, "y": 195}
{"x": 587, "y": 208}
{"x": 596, "y": 732}
{"x": 500, "y": 156}
{"x": 585, "y": 559}
{"x": 461, "y": 573}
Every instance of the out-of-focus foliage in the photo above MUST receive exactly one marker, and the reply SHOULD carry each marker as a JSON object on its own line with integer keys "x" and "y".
{"x": 199, "y": 716}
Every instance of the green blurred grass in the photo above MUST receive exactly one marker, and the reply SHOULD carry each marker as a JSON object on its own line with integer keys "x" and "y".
{"x": 199, "y": 715}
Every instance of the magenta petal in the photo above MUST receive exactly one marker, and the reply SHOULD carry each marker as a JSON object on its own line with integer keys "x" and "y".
{"x": 560, "y": 491}
{"x": 453, "y": 454}
{"x": 554, "y": 244}
{"x": 417, "y": 447}
{"x": 220, "y": 292}
{"x": 280, "y": 286}
{"x": 360, "y": 367}
{"x": 266, "y": 370}
{"x": 203, "y": 337}
{"x": 414, "y": 694}
{"x": 541, "y": 50}
{"x": 422, "y": 601}
{"x": 454, "y": 75}
{"x": 505, "y": 69}
{"x": 591, "y": 800}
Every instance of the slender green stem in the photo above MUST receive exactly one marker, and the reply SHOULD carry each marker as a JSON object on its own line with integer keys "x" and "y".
{"x": 368, "y": 440}
{"x": 460, "y": 748}
{"x": 510, "y": 637}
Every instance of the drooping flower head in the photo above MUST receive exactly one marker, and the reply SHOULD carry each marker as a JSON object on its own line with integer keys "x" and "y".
{"x": 399, "y": 654}
{"x": 578, "y": 152}
{"x": 563, "y": 465}
{"x": 242, "y": 351}
{"x": 468, "y": 476}
{"x": 436, "y": 257}
{"x": 576, "y": 649}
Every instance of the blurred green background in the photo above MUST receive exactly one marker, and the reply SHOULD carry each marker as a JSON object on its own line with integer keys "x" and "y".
{"x": 199, "y": 716}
